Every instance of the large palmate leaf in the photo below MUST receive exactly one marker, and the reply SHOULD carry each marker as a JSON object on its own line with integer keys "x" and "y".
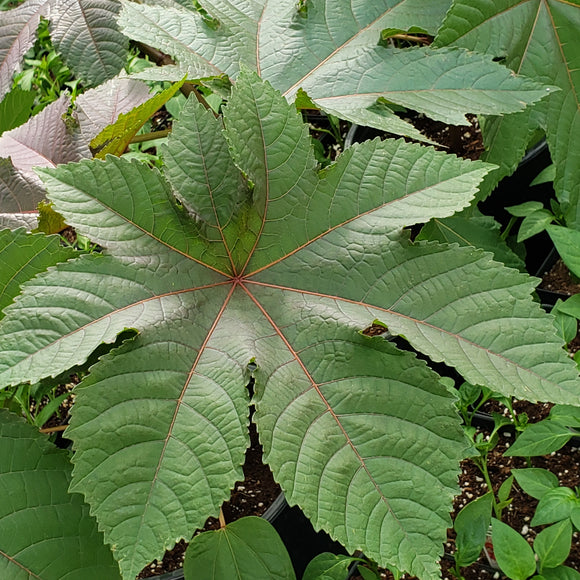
{"x": 330, "y": 49}
{"x": 45, "y": 532}
{"x": 243, "y": 251}
{"x": 537, "y": 38}
{"x": 84, "y": 32}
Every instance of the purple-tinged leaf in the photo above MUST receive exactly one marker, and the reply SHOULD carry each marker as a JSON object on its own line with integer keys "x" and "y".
{"x": 45, "y": 141}
{"x": 101, "y": 106}
{"x": 17, "y": 34}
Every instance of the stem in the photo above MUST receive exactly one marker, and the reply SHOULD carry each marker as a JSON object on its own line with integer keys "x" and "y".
{"x": 53, "y": 429}
{"x": 508, "y": 228}
{"x": 481, "y": 462}
{"x": 150, "y": 136}
{"x": 222, "y": 519}
{"x": 457, "y": 572}
{"x": 412, "y": 38}
{"x": 162, "y": 59}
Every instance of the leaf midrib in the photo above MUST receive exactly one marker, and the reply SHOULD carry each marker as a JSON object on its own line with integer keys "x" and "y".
{"x": 178, "y": 403}
{"x": 297, "y": 84}
{"x": 357, "y": 216}
{"x": 457, "y": 337}
{"x": 19, "y": 565}
{"x": 117, "y": 311}
{"x": 329, "y": 408}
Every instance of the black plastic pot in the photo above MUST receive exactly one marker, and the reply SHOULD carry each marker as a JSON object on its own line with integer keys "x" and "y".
{"x": 301, "y": 540}
{"x": 548, "y": 298}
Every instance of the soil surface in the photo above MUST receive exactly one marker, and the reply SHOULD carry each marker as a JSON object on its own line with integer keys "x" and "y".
{"x": 558, "y": 279}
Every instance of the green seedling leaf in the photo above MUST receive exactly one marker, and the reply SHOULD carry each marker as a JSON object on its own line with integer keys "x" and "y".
{"x": 329, "y": 566}
{"x": 22, "y": 257}
{"x": 542, "y": 44}
{"x": 513, "y": 554}
{"x": 348, "y": 73}
{"x": 115, "y": 138}
{"x": 552, "y": 544}
{"x": 505, "y": 489}
{"x": 561, "y": 573}
{"x": 567, "y": 242}
{"x": 247, "y": 548}
{"x": 367, "y": 574}
{"x": 15, "y": 109}
{"x": 566, "y": 325}
{"x": 534, "y": 223}
{"x": 471, "y": 525}
{"x": 570, "y": 306}
{"x": 545, "y": 176}
{"x": 524, "y": 209}
{"x": 469, "y": 393}
{"x": 555, "y": 505}
{"x": 566, "y": 415}
{"x": 45, "y": 532}
{"x": 540, "y": 438}
{"x": 242, "y": 251}
{"x": 535, "y": 481}
{"x": 575, "y": 516}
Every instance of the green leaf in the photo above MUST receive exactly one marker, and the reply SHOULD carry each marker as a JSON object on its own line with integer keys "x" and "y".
{"x": 333, "y": 54}
{"x": 49, "y": 221}
{"x": 535, "y": 39}
{"x": 570, "y": 306}
{"x": 15, "y": 109}
{"x": 23, "y": 256}
{"x": 45, "y": 532}
{"x": 535, "y": 481}
{"x": 505, "y": 489}
{"x": 115, "y": 138}
{"x": 261, "y": 257}
{"x": 471, "y": 526}
{"x": 567, "y": 242}
{"x": 534, "y": 223}
{"x": 328, "y": 566}
{"x": 247, "y": 548}
{"x": 552, "y": 544}
{"x": 566, "y": 325}
{"x": 513, "y": 554}
{"x": 473, "y": 230}
{"x": 545, "y": 176}
{"x": 561, "y": 573}
{"x": 540, "y": 439}
{"x": 555, "y": 505}
{"x": 566, "y": 414}
{"x": 525, "y": 209}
